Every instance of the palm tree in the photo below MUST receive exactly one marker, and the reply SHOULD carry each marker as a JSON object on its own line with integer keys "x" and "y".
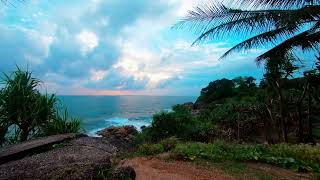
{"x": 287, "y": 24}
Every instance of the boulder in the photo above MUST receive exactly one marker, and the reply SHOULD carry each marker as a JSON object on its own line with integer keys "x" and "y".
{"x": 120, "y": 137}
{"x": 126, "y": 132}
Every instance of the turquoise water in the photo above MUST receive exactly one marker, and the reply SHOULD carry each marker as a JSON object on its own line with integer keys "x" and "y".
{"x": 99, "y": 112}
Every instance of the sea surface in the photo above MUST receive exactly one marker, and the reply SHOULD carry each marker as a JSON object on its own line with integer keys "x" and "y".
{"x": 99, "y": 112}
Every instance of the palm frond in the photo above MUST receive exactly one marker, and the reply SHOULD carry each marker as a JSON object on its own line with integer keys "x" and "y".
{"x": 277, "y": 3}
{"x": 264, "y": 38}
{"x": 11, "y": 2}
{"x": 305, "y": 40}
{"x": 218, "y": 21}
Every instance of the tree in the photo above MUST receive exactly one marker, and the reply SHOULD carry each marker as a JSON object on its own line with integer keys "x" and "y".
{"x": 216, "y": 91}
{"x": 293, "y": 23}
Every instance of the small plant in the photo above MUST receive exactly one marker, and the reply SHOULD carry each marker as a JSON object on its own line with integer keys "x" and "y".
{"x": 151, "y": 149}
{"x": 169, "y": 143}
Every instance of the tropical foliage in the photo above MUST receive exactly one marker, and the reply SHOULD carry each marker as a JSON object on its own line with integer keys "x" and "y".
{"x": 285, "y": 27}
{"x": 239, "y": 110}
{"x": 25, "y": 113}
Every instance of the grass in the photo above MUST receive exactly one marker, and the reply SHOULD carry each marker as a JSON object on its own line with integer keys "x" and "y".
{"x": 240, "y": 170}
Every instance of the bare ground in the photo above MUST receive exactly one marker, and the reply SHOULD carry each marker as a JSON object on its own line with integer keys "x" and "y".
{"x": 156, "y": 168}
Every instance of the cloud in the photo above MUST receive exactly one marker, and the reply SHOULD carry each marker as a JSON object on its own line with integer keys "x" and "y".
{"x": 115, "y": 47}
{"x": 87, "y": 41}
{"x": 24, "y": 47}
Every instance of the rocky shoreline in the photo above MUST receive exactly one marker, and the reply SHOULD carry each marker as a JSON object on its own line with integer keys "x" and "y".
{"x": 81, "y": 157}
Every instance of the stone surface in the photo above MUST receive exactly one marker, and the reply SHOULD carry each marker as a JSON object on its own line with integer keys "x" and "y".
{"x": 80, "y": 158}
{"x": 38, "y": 145}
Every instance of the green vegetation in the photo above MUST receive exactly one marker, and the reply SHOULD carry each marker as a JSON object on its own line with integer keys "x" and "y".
{"x": 239, "y": 110}
{"x": 281, "y": 109}
{"x": 25, "y": 113}
{"x": 248, "y": 117}
{"x": 296, "y": 157}
{"x": 179, "y": 123}
{"x": 295, "y": 24}
{"x": 151, "y": 149}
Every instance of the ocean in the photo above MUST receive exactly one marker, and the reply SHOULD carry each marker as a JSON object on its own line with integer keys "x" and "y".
{"x": 99, "y": 112}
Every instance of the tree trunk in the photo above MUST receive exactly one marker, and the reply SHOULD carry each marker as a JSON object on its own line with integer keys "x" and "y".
{"x": 282, "y": 114}
{"x": 310, "y": 134}
{"x": 299, "y": 108}
{"x": 238, "y": 122}
{"x": 266, "y": 123}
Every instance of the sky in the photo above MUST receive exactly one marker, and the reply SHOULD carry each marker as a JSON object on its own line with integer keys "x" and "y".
{"x": 114, "y": 47}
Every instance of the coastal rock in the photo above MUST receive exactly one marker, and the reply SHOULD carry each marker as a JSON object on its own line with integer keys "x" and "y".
{"x": 124, "y": 132}
{"x": 120, "y": 137}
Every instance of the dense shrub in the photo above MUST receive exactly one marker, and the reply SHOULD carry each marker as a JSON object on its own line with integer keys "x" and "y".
{"x": 167, "y": 124}
{"x": 178, "y": 123}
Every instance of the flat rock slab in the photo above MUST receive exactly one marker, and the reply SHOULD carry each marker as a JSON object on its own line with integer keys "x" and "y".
{"x": 18, "y": 151}
{"x": 80, "y": 158}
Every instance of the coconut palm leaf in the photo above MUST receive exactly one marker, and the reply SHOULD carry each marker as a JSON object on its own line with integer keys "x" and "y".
{"x": 223, "y": 21}
{"x": 304, "y": 40}
{"x": 277, "y": 3}
{"x": 261, "y": 25}
{"x": 264, "y": 38}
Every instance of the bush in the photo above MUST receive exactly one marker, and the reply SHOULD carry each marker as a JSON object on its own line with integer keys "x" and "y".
{"x": 192, "y": 151}
{"x": 169, "y": 143}
{"x": 151, "y": 149}
{"x": 179, "y": 123}
{"x": 301, "y": 151}
{"x": 62, "y": 125}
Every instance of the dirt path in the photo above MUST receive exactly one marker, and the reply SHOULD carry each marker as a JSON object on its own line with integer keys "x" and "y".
{"x": 156, "y": 169}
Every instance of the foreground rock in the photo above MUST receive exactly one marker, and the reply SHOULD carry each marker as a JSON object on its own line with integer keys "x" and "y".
{"x": 38, "y": 145}
{"x": 78, "y": 158}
